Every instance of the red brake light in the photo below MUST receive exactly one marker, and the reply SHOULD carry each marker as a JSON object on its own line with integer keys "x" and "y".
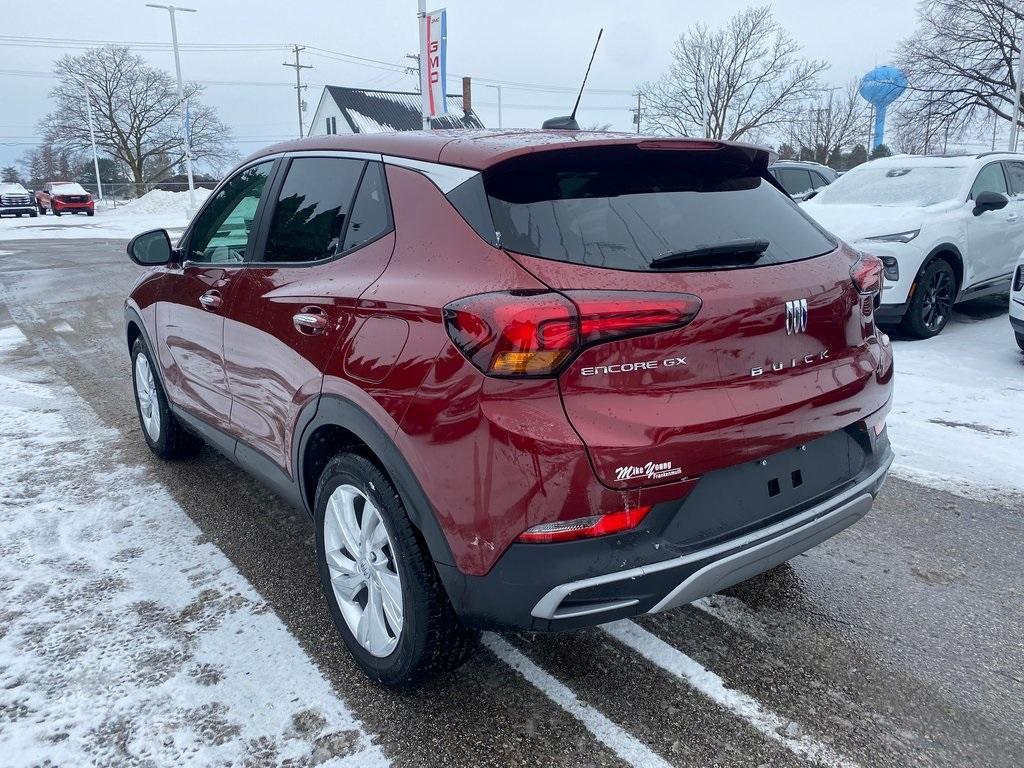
{"x": 537, "y": 333}
{"x": 690, "y": 144}
{"x": 867, "y": 274}
{"x": 585, "y": 527}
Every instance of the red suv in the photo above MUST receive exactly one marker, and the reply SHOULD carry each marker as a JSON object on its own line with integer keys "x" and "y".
{"x": 64, "y": 197}
{"x": 529, "y": 380}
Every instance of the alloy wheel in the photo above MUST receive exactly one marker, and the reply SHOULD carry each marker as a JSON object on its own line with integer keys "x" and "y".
{"x": 363, "y": 571}
{"x": 145, "y": 392}
{"x": 938, "y": 300}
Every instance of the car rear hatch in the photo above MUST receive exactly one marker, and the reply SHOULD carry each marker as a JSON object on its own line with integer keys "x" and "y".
{"x": 782, "y": 349}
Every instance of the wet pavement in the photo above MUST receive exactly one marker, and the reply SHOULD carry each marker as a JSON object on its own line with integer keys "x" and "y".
{"x": 899, "y": 642}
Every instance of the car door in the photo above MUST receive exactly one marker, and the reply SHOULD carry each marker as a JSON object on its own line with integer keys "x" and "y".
{"x": 991, "y": 235}
{"x": 190, "y": 317}
{"x": 328, "y": 237}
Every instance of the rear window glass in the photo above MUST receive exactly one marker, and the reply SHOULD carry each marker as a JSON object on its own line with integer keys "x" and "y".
{"x": 622, "y": 207}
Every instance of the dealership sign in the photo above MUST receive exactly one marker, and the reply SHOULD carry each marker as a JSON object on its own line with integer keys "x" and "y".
{"x": 433, "y": 66}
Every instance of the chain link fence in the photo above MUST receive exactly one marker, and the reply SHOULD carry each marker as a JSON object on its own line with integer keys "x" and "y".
{"x": 118, "y": 193}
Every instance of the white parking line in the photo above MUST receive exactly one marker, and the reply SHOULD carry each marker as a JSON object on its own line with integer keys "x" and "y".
{"x": 623, "y": 744}
{"x": 677, "y": 663}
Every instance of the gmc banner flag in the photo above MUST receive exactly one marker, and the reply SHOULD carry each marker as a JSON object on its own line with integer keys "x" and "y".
{"x": 433, "y": 66}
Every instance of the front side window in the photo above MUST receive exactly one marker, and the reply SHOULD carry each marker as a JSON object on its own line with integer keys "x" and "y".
{"x": 990, "y": 179}
{"x": 1015, "y": 173}
{"x": 223, "y": 230}
{"x": 312, "y": 209}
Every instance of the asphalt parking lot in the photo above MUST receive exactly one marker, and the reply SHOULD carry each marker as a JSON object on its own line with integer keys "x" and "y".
{"x": 899, "y": 642}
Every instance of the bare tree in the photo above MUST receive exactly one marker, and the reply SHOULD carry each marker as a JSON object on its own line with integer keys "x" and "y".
{"x": 829, "y": 123}
{"x": 961, "y": 62}
{"x": 136, "y": 112}
{"x": 745, "y": 78}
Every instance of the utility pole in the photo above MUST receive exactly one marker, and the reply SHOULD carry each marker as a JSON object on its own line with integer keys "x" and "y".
{"x": 419, "y": 74}
{"x": 498, "y": 89}
{"x": 187, "y": 129}
{"x": 297, "y": 49}
{"x": 636, "y": 115}
{"x": 92, "y": 138}
{"x": 1016, "y": 94}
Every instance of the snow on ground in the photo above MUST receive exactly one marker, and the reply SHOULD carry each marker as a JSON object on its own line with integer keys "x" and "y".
{"x": 957, "y": 421}
{"x": 125, "y": 638}
{"x": 154, "y": 210}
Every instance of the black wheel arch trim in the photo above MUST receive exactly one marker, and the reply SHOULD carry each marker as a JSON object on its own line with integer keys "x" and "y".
{"x": 951, "y": 249}
{"x": 335, "y": 410}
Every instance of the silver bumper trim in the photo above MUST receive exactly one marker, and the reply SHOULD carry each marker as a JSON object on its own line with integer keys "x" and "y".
{"x": 751, "y": 554}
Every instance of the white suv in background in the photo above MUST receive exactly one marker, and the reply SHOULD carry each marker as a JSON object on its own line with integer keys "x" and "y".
{"x": 948, "y": 229}
{"x": 1017, "y": 302}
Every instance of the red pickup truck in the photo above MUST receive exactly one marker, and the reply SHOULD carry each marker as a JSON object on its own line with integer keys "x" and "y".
{"x": 64, "y": 197}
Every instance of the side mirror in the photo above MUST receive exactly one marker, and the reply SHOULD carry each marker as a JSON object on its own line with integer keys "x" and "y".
{"x": 989, "y": 201}
{"x": 151, "y": 249}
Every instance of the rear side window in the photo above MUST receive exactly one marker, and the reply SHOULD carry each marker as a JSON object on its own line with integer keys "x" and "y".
{"x": 622, "y": 207}
{"x": 794, "y": 180}
{"x": 371, "y": 215}
{"x": 312, "y": 209}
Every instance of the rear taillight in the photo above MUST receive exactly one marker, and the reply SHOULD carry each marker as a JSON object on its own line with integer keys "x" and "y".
{"x": 585, "y": 527}
{"x": 867, "y": 274}
{"x": 515, "y": 333}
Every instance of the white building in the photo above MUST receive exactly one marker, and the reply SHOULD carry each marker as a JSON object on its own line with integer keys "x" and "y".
{"x": 358, "y": 110}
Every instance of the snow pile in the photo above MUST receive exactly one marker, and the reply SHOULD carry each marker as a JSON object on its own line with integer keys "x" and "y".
{"x": 957, "y": 421}
{"x": 125, "y": 638}
{"x": 160, "y": 201}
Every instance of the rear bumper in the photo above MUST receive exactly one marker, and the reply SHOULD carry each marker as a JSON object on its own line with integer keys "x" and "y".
{"x": 553, "y": 587}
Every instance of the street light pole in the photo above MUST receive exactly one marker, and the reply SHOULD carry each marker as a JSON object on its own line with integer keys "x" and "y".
{"x": 498, "y": 89}
{"x": 181, "y": 98}
{"x": 92, "y": 138}
{"x": 1016, "y": 94}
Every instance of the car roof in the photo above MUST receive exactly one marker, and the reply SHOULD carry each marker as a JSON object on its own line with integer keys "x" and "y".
{"x": 477, "y": 149}
{"x": 933, "y": 161}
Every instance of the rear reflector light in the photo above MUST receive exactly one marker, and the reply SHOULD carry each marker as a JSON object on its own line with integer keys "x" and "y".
{"x": 585, "y": 527}
{"x": 867, "y": 274}
{"x": 516, "y": 333}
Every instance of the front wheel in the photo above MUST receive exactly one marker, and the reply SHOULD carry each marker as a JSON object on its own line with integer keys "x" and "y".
{"x": 383, "y": 590}
{"x": 55, "y": 212}
{"x": 1020, "y": 340}
{"x": 33, "y": 214}
{"x": 164, "y": 434}
{"x": 932, "y": 304}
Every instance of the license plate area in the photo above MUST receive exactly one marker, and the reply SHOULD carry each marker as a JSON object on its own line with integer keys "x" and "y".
{"x": 733, "y": 501}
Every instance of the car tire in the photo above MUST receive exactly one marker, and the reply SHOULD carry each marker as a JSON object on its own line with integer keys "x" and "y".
{"x": 164, "y": 434}
{"x": 428, "y": 638}
{"x": 1020, "y": 340}
{"x": 55, "y": 212}
{"x": 33, "y": 214}
{"x": 932, "y": 304}
{"x": 90, "y": 213}
{"x": 42, "y": 211}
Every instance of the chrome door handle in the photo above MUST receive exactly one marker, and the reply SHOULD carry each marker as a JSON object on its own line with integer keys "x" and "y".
{"x": 211, "y": 300}
{"x": 310, "y": 320}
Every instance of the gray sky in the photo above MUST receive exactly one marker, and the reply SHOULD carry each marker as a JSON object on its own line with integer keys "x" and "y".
{"x": 528, "y": 41}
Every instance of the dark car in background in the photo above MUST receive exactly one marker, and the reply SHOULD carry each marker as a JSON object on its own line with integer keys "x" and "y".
{"x": 533, "y": 381}
{"x": 15, "y": 200}
{"x": 802, "y": 178}
{"x": 64, "y": 197}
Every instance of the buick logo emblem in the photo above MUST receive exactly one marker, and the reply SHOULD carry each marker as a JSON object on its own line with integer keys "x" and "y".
{"x": 796, "y": 316}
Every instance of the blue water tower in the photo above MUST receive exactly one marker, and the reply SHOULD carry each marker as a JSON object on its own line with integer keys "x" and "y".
{"x": 881, "y": 87}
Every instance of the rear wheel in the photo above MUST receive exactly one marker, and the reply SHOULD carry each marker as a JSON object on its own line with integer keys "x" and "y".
{"x": 90, "y": 213}
{"x": 383, "y": 591}
{"x": 33, "y": 214}
{"x": 932, "y": 305}
{"x": 1020, "y": 340}
{"x": 55, "y": 212}
{"x": 164, "y": 434}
